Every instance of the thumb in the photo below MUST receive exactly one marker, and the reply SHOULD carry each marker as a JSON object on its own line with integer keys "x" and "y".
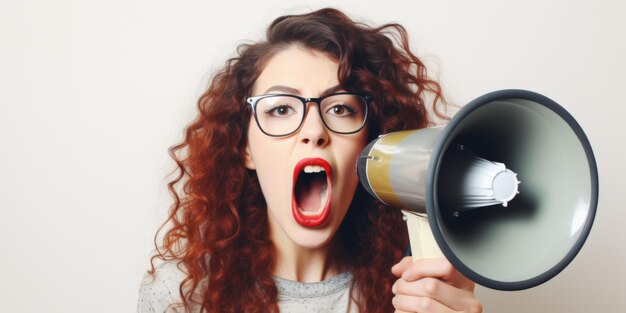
{"x": 402, "y": 266}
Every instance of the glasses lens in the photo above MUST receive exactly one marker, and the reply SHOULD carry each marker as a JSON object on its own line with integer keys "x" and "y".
{"x": 279, "y": 115}
{"x": 344, "y": 113}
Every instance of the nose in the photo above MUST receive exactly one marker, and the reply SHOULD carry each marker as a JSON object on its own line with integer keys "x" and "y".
{"x": 313, "y": 130}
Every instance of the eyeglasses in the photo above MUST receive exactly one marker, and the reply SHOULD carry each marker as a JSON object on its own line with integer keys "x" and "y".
{"x": 283, "y": 114}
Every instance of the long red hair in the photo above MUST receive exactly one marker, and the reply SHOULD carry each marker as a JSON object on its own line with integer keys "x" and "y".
{"x": 218, "y": 227}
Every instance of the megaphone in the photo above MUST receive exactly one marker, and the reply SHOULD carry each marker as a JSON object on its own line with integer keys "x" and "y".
{"x": 507, "y": 190}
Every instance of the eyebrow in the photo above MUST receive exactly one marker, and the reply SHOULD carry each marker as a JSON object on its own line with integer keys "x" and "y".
{"x": 282, "y": 89}
{"x": 296, "y": 91}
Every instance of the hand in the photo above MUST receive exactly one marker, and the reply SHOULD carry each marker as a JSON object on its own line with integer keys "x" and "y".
{"x": 432, "y": 286}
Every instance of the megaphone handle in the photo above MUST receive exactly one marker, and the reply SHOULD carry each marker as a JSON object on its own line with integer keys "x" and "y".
{"x": 421, "y": 239}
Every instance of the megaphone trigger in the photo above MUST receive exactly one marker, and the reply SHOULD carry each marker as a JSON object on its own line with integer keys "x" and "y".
{"x": 421, "y": 240}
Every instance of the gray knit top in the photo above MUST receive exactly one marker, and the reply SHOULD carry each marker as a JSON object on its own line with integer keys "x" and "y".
{"x": 329, "y": 296}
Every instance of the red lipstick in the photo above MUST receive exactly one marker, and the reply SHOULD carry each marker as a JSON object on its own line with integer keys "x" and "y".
{"x": 317, "y": 217}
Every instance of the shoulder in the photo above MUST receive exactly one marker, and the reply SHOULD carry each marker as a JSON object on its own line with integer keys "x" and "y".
{"x": 161, "y": 289}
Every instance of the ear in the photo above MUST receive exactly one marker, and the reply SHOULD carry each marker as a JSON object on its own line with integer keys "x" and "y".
{"x": 247, "y": 158}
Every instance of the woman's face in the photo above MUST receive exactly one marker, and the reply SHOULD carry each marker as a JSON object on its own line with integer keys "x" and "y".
{"x": 308, "y": 178}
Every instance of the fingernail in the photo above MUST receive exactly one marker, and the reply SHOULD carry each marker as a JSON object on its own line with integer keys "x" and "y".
{"x": 406, "y": 274}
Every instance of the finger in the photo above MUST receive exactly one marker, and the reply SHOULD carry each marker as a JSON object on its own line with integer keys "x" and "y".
{"x": 402, "y": 266}
{"x": 439, "y": 268}
{"x": 419, "y": 305}
{"x": 448, "y": 295}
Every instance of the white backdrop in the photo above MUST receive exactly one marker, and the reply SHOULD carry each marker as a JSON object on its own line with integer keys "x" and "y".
{"x": 92, "y": 93}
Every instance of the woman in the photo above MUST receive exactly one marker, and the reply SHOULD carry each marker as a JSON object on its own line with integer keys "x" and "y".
{"x": 268, "y": 213}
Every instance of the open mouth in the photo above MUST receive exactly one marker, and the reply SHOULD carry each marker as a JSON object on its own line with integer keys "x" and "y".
{"x": 312, "y": 191}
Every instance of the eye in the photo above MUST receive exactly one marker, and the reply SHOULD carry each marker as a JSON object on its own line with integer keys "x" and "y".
{"x": 341, "y": 110}
{"x": 280, "y": 111}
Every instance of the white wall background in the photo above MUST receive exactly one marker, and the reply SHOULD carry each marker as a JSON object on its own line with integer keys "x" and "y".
{"x": 92, "y": 93}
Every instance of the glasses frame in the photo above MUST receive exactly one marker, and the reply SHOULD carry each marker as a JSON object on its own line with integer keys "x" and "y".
{"x": 252, "y": 101}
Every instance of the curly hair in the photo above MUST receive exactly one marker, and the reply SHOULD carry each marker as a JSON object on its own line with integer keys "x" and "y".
{"x": 217, "y": 227}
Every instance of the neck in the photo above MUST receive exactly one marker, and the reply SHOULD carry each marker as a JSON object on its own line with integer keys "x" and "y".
{"x": 304, "y": 264}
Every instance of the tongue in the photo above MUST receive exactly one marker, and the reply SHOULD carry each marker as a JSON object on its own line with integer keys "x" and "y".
{"x": 309, "y": 195}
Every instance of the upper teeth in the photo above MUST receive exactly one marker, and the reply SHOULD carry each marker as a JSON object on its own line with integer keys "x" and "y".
{"x": 313, "y": 169}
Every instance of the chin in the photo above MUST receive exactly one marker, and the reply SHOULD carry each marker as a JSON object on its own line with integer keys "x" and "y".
{"x": 312, "y": 238}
